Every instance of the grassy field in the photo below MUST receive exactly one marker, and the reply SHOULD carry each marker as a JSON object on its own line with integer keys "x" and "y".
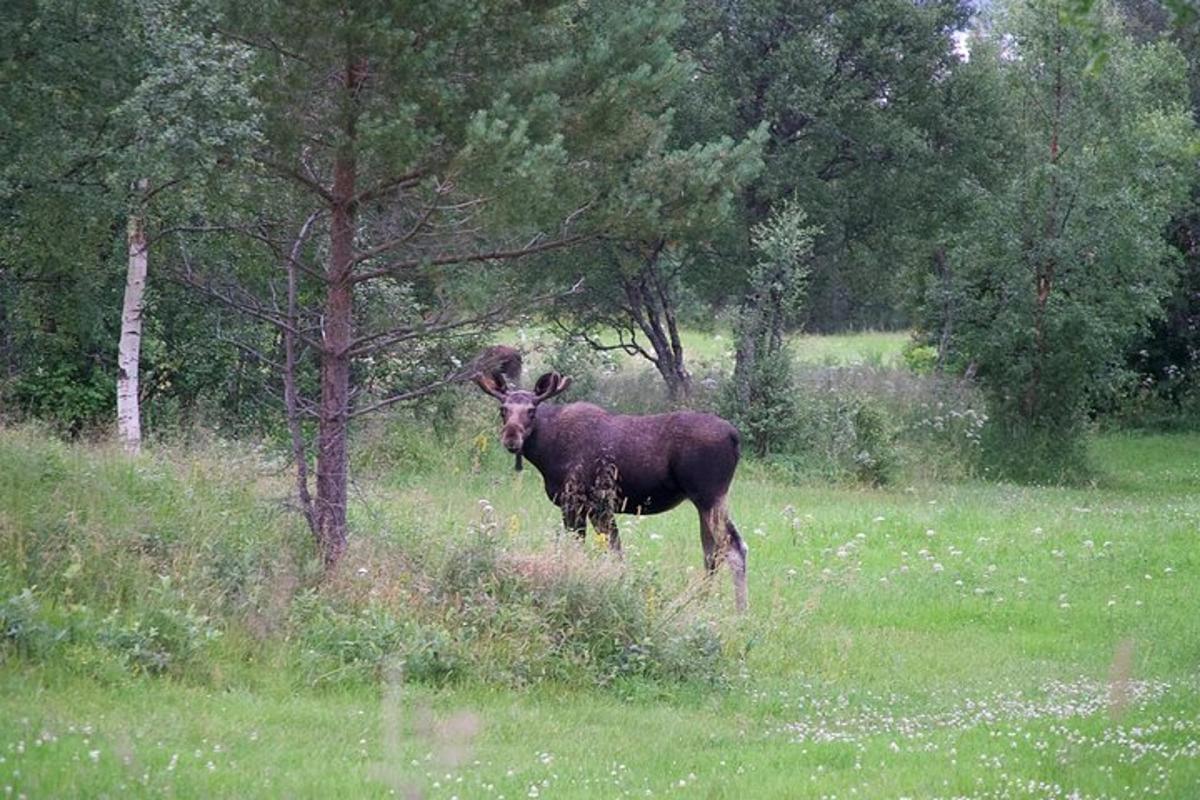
{"x": 703, "y": 348}
{"x": 968, "y": 640}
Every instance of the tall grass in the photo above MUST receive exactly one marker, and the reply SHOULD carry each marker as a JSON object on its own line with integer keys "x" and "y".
{"x": 114, "y": 565}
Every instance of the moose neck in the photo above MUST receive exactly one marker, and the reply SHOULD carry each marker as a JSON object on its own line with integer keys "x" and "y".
{"x": 537, "y": 449}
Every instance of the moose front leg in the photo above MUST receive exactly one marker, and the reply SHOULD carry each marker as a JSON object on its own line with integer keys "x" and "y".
{"x": 708, "y": 542}
{"x": 575, "y": 520}
{"x": 605, "y": 522}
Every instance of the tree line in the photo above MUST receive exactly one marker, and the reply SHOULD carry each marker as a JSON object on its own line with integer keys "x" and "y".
{"x": 332, "y": 204}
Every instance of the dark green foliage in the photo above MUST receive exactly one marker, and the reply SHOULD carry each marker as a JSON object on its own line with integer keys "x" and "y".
{"x": 342, "y": 645}
{"x": 764, "y": 405}
{"x": 573, "y": 357}
{"x": 97, "y": 97}
{"x": 159, "y": 641}
{"x": 23, "y": 629}
{"x": 854, "y": 99}
{"x": 842, "y": 436}
{"x": 761, "y": 400}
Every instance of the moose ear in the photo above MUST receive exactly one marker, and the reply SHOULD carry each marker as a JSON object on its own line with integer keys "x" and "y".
{"x": 549, "y": 385}
{"x": 546, "y": 383}
{"x": 490, "y": 384}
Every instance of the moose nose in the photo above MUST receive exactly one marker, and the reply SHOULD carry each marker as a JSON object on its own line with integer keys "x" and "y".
{"x": 512, "y": 440}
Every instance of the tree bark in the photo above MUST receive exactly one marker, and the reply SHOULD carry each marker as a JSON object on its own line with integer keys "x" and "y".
{"x": 129, "y": 424}
{"x": 333, "y": 414}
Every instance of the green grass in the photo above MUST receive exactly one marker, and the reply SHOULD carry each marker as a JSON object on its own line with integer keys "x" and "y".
{"x": 710, "y": 348}
{"x": 934, "y": 640}
{"x": 879, "y": 348}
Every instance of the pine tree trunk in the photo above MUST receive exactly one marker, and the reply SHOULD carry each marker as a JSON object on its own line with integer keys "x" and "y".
{"x": 129, "y": 424}
{"x": 334, "y": 413}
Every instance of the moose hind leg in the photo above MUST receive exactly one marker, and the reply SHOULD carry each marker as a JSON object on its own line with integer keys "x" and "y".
{"x": 735, "y": 553}
{"x": 718, "y": 532}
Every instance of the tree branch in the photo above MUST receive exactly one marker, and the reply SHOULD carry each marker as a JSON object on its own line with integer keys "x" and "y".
{"x": 290, "y": 394}
{"x": 389, "y": 186}
{"x": 495, "y": 255}
{"x": 299, "y": 177}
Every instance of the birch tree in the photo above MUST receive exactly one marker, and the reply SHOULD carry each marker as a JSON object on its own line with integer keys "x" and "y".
{"x": 124, "y": 109}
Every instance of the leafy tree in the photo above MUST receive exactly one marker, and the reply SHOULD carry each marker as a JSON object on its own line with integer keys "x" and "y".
{"x": 850, "y": 92}
{"x": 1068, "y": 260}
{"x": 407, "y": 146}
{"x": 119, "y": 112}
{"x": 762, "y": 393}
{"x": 1164, "y": 364}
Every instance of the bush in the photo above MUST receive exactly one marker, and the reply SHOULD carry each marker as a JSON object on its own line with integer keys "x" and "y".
{"x": 577, "y": 359}
{"x": 770, "y": 419}
{"x": 23, "y": 630}
{"x": 342, "y": 644}
{"x": 157, "y": 641}
{"x": 563, "y": 615}
{"x": 920, "y": 358}
{"x": 1018, "y": 450}
{"x": 868, "y": 424}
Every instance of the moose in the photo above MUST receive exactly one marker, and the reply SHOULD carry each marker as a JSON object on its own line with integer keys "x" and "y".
{"x": 596, "y": 464}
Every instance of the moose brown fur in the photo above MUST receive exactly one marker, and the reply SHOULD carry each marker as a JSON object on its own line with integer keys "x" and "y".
{"x": 596, "y": 464}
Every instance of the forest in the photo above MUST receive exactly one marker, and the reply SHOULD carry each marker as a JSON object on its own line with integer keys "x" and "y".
{"x": 937, "y": 261}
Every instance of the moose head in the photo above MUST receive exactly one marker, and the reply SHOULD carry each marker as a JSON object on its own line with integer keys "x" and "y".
{"x": 518, "y": 408}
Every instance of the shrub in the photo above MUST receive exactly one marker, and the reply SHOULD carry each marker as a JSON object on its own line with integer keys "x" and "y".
{"x": 770, "y": 418}
{"x": 157, "y": 640}
{"x": 920, "y": 358}
{"x": 342, "y": 644}
{"x": 560, "y": 614}
{"x": 23, "y": 630}
{"x": 585, "y": 365}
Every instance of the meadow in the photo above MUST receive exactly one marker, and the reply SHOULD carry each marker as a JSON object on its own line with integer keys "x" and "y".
{"x": 928, "y": 639}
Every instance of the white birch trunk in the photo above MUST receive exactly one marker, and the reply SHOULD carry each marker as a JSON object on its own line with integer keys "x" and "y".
{"x": 129, "y": 424}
